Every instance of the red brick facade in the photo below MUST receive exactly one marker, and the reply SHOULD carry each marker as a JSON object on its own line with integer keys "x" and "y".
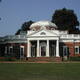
{"x": 71, "y": 47}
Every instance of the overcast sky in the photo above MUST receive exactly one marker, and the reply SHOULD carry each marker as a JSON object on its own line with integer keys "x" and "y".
{"x": 16, "y": 12}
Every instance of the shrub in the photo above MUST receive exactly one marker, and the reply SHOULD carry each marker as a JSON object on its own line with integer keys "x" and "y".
{"x": 7, "y": 58}
{"x": 75, "y": 58}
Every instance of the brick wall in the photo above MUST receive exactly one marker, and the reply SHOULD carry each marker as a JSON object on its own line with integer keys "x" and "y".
{"x": 71, "y": 47}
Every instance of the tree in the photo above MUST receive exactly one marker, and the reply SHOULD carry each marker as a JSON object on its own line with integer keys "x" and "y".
{"x": 18, "y": 32}
{"x": 65, "y": 19}
{"x": 25, "y": 27}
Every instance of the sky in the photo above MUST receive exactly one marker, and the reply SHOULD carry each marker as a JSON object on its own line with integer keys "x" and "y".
{"x": 14, "y": 13}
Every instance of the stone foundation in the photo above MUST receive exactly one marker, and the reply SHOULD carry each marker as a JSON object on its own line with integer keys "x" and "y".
{"x": 46, "y": 59}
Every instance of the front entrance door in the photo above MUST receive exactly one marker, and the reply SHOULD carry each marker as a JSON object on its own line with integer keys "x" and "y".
{"x": 33, "y": 51}
{"x": 33, "y": 48}
{"x": 43, "y": 50}
{"x": 52, "y": 50}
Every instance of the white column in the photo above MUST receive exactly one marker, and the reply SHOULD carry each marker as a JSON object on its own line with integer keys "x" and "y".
{"x": 47, "y": 49}
{"x": 57, "y": 48}
{"x": 28, "y": 49}
{"x": 38, "y": 51}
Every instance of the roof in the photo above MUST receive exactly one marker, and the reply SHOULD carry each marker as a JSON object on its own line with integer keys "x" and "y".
{"x": 43, "y": 24}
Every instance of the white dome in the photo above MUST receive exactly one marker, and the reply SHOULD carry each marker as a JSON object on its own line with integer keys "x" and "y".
{"x": 43, "y": 24}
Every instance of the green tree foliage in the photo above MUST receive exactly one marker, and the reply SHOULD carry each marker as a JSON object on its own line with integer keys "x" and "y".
{"x": 18, "y": 32}
{"x": 65, "y": 19}
{"x": 25, "y": 27}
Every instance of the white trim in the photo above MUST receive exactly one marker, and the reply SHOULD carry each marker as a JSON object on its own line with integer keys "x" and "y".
{"x": 43, "y": 38}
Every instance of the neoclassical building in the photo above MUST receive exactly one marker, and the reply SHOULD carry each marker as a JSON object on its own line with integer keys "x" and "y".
{"x": 42, "y": 40}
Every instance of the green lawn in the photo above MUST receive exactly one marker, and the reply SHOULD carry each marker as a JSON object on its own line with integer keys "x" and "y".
{"x": 38, "y": 71}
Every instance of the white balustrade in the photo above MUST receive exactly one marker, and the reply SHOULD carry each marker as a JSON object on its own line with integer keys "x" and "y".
{"x": 75, "y": 36}
{"x": 16, "y": 37}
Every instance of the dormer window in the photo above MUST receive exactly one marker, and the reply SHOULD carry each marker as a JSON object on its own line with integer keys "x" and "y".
{"x": 34, "y": 29}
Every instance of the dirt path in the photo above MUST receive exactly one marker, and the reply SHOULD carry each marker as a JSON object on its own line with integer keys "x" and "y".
{"x": 38, "y": 62}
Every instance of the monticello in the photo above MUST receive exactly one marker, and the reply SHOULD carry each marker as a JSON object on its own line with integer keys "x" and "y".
{"x": 42, "y": 40}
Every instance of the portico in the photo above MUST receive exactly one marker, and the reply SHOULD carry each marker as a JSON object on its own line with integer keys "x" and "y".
{"x": 43, "y": 48}
{"x": 43, "y": 40}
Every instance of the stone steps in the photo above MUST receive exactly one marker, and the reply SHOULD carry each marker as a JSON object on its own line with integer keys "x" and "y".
{"x": 45, "y": 59}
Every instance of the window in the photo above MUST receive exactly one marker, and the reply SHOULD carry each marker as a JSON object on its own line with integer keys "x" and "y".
{"x": 34, "y": 29}
{"x": 43, "y": 50}
{"x": 21, "y": 51}
{"x": 16, "y": 50}
{"x": 43, "y": 33}
{"x": 10, "y": 50}
{"x": 76, "y": 49}
{"x": 65, "y": 51}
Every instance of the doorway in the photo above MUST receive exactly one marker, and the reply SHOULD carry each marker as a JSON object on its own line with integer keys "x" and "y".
{"x": 33, "y": 48}
{"x": 43, "y": 48}
{"x": 52, "y": 48}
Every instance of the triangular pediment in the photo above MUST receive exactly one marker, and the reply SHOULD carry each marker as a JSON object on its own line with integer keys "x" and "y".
{"x": 43, "y": 33}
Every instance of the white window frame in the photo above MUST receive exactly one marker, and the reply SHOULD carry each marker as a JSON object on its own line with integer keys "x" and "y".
{"x": 76, "y": 52}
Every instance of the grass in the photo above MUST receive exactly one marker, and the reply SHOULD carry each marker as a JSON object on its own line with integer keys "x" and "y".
{"x": 40, "y": 71}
